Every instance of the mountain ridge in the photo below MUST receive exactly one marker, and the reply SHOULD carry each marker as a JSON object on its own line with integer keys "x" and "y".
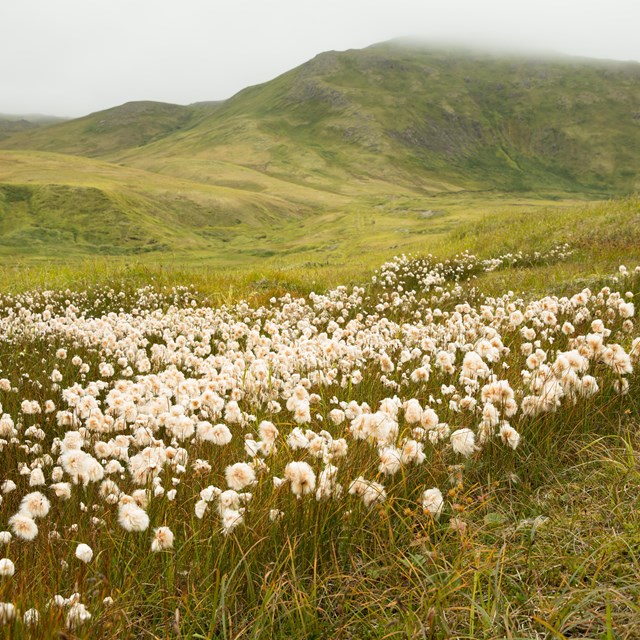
{"x": 454, "y": 114}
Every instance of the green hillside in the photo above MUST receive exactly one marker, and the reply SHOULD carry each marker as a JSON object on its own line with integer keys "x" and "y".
{"x": 425, "y": 118}
{"x": 417, "y": 116}
{"x": 52, "y": 204}
{"x": 9, "y": 127}
{"x": 129, "y": 125}
{"x": 382, "y": 136}
{"x": 11, "y": 124}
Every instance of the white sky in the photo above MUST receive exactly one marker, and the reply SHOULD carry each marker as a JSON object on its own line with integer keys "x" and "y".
{"x": 72, "y": 57}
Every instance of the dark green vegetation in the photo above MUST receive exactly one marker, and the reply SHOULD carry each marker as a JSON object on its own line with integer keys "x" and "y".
{"x": 375, "y": 139}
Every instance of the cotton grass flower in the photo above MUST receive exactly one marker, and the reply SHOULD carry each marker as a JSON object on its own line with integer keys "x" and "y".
{"x": 432, "y": 502}
{"x": 36, "y": 479}
{"x": 268, "y": 431}
{"x": 301, "y": 477}
{"x": 239, "y": 475}
{"x": 31, "y": 617}
{"x": 77, "y": 616}
{"x": 463, "y": 442}
{"x": 23, "y": 526}
{"x": 390, "y": 461}
{"x": 231, "y": 519}
{"x": 131, "y": 517}
{"x": 372, "y": 492}
{"x": 7, "y": 568}
{"x": 84, "y": 553}
{"x": 8, "y": 486}
{"x": 509, "y": 435}
{"x": 162, "y": 539}
{"x": 380, "y": 369}
{"x": 218, "y": 434}
{"x": 201, "y": 508}
{"x": 35, "y": 505}
{"x": 7, "y": 612}
{"x": 62, "y": 490}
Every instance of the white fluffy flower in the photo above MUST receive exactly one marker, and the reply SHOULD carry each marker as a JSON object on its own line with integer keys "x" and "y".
{"x": 84, "y": 552}
{"x": 201, "y": 508}
{"x": 268, "y": 431}
{"x": 31, "y": 617}
{"x": 8, "y": 486}
{"x": 36, "y": 479}
{"x": 463, "y": 442}
{"x": 7, "y": 568}
{"x": 218, "y": 434}
{"x": 412, "y": 411}
{"x": 371, "y": 492}
{"x": 509, "y": 435}
{"x": 77, "y": 615}
{"x": 239, "y": 475}
{"x": 35, "y": 505}
{"x": 301, "y": 477}
{"x": 7, "y": 612}
{"x": 390, "y": 461}
{"x": 23, "y": 526}
{"x": 162, "y": 539}
{"x": 61, "y": 489}
{"x": 231, "y": 519}
{"x": 433, "y": 502}
{"x": 131, "y": 517}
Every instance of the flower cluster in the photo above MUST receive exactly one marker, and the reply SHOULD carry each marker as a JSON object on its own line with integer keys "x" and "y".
{"x": 247, "y": 414}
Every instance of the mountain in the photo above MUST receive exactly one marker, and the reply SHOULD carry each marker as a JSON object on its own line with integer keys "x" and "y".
{"x": 393, "y": 112}
{"x": 358, "y": 128}
{"x": 414, "y": 115}
{"x": 129, "y": 125}
{"x": 11, "y": 124}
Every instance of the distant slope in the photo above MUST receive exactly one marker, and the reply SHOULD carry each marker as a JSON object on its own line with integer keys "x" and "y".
{"x": 52, "y": 204}
{"x": 378, "y": 136}
{"x": 10, "y": 124}
{"x": 427, "y": 119}
{"x": 10, "y": 127}
{"x": 129, "y": 125}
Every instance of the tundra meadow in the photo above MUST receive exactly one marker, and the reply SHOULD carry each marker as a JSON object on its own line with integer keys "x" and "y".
{"x": 405, "y": 457}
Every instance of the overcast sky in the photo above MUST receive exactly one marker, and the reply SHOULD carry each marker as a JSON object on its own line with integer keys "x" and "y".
{"x": 72, "y": 57}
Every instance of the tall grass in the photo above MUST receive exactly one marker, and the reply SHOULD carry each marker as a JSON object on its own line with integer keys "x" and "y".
{"x": 536, "y": 542}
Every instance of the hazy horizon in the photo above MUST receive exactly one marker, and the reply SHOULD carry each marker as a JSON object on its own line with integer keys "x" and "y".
{"x": 75, "y": 57}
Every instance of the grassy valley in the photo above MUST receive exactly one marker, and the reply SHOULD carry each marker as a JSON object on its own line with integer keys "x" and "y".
{"x": 53, "y": 205}
{"x": 366, "y": 150}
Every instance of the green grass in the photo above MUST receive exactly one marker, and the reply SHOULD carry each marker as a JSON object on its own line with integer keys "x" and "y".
{"x": 306, "y": 255}
{"x": 54, "y": 205}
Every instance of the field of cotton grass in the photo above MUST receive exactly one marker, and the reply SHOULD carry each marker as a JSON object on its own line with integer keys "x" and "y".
{"x": 409, "y": 458}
